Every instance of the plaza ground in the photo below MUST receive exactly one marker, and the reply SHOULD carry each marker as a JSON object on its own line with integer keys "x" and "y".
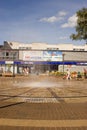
{"x": 41, "y": 102}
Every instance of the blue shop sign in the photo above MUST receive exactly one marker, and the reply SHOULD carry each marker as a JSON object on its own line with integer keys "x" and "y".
{"x": 2, "y": 62}
{"x": 17, "y": 62}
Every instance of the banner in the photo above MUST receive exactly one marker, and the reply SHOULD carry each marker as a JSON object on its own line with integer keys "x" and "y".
{"x": 32, "y": 55}
{"x": 52, "y": 56}
{"x": 42, "y": 56}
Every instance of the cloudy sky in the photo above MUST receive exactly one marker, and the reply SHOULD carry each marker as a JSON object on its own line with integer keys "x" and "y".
{"x": 49, "y": 21}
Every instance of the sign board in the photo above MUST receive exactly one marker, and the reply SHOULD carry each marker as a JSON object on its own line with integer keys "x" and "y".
{"x": 8, "y": 62}
{"x": 32, "y": 55}
{"x": 52, "y": 56}
{"x": 42, "y": 56}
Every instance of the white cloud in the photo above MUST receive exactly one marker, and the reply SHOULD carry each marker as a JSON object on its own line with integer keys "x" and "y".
{"x": 72, "y": 22}
{"x": 63, "y": 37}
{"x": 62, "y": 13}
{"x": 49, "y": 20}
{"x": 55, "y": 18}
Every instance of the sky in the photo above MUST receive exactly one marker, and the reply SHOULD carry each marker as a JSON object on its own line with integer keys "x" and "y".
{"x": 43, "y": 21}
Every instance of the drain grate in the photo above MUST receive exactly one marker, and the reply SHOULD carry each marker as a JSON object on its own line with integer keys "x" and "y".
{"x": 41, "y": 100}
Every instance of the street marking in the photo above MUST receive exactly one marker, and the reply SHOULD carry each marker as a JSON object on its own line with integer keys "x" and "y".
{"x": 42, "y": 123}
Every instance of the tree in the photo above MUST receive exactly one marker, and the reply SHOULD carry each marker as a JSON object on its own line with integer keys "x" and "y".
{"x": 81, "y": 27}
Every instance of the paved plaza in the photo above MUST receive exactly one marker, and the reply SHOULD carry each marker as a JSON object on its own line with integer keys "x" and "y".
{"x": 41, "y": 102}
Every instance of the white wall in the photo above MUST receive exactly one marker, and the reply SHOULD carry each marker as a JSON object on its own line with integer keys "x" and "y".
{"x": 72, "y": 68}
{"x": 65, "y": 47}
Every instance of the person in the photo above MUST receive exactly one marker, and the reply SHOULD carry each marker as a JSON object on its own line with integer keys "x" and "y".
{"x": 85, "y": 73}
{"x": 68, "y": 77}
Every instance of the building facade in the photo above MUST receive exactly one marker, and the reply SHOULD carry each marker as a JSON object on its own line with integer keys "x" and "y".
{"x": 41, "y": 57}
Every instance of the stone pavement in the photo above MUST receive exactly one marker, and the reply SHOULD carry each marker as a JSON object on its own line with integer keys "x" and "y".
{"x": 42, "y": 103}
{"x": 43, "y": 116}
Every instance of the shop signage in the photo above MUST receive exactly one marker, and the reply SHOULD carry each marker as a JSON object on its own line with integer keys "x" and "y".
{"x": 9, "y": 62}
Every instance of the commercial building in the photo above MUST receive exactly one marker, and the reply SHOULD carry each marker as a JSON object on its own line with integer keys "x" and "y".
{"x": 42, "y": 57}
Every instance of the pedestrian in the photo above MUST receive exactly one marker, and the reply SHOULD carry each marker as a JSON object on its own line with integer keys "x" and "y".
{"x": 85, "y": 73}
{"x": 68, "y": 77}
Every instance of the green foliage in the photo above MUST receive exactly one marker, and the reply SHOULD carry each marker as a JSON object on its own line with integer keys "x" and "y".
{"x": 81, "y": 28}
{"x": 57, "y": 73}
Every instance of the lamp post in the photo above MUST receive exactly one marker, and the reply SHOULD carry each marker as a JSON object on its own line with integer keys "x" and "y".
{"x": 63, "y": 62}
{"x": 13, "y": 65}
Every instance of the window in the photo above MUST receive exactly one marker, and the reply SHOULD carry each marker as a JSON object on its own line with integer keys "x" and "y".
{"x": 78, "y": 49}
{"x": 7, "y": 54}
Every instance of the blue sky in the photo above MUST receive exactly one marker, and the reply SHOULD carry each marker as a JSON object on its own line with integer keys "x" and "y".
{"x": 49, "y": 21}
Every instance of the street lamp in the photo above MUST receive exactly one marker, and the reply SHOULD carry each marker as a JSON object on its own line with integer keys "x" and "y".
{"x": 13, "y": 65}
{"x": 63, "y": 62}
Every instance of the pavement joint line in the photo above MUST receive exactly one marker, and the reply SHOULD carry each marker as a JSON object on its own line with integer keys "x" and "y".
{"x": 43, "y": 123}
